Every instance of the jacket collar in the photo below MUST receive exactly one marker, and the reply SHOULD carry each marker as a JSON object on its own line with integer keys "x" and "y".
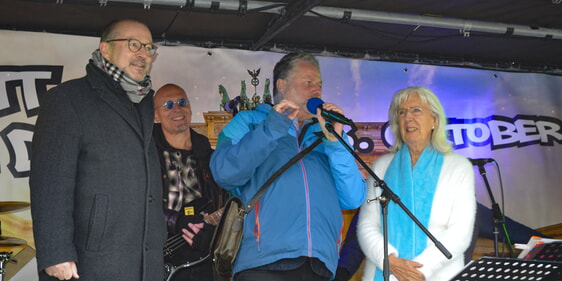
{"x": 140, "y": 118}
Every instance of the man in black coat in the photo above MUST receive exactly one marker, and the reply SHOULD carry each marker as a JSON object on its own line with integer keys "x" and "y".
{"x": 95, "y": 182}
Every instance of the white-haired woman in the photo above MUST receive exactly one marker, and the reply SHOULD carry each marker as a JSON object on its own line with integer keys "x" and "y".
{"x": 434, "y": 183}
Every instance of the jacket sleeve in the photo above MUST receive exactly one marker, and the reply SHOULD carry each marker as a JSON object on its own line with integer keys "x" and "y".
{"x": 243, "y": 145}
{"x": 350, "y": 184}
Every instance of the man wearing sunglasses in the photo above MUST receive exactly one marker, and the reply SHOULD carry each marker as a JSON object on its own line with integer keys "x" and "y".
{"x": 191, "y": 196}
{"x": 95, "y": 185}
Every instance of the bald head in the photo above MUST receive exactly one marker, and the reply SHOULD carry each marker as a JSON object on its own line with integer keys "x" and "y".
{"x": 176, "y": 119}
{"x": 124, "y": 43}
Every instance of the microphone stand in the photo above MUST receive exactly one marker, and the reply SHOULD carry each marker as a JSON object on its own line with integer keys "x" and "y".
{"x": 384, "y": 199}
{"x": 497, "y": 216}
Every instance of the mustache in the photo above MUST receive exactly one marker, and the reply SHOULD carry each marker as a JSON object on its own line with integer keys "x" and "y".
{"x": 138, "y": 61}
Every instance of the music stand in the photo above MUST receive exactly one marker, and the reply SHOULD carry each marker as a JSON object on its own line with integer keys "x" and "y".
{"x": 494, "y": 269}
{"x": 551, "y": 251}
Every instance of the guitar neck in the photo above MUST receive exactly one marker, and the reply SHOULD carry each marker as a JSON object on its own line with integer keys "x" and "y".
{"x": 214, "y": 218}
{"x": 174, "y": 242}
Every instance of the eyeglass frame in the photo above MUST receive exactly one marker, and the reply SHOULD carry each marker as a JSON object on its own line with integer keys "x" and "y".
{"x": 170, "y": 104}
{"x": 414, "y": 110}
{"x": 141, "y": 44}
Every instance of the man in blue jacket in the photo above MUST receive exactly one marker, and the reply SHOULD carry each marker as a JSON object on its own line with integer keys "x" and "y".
{"x": 294, "y": 231}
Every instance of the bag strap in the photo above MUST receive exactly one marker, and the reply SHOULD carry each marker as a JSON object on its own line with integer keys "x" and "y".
{"x": 273, "y": 177}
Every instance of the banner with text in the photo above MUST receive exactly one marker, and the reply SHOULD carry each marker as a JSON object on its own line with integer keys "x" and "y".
{"x": 513, "y": 118}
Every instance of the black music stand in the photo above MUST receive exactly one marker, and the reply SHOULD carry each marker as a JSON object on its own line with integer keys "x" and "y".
{"x": 495, "y": 269}
{"x": 551, "y": 251}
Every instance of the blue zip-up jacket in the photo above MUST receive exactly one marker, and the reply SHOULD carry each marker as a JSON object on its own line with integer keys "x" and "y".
{"x": 300, "y": 214}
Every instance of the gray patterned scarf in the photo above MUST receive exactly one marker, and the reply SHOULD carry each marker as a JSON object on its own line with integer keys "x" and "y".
{"x": 135, "y": 90}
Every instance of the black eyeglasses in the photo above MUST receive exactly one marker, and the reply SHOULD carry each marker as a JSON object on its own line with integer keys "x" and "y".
{"x": 135, "y": 45}
{"x": 170, "y": 104}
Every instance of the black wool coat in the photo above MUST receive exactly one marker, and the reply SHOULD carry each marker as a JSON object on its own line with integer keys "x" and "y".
{"x": 95, "y": 182}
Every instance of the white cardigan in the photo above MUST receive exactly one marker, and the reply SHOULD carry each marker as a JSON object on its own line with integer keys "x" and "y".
{"x": 451, "y": 221}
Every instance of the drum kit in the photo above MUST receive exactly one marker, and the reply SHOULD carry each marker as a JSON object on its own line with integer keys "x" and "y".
{"x": 9, "y": 241}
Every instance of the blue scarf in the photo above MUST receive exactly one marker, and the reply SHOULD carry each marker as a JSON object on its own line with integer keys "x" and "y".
{"x": 416, "y": 188}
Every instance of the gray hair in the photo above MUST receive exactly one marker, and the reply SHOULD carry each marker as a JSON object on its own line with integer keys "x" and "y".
{"x": 284, "y": 67}
{"x": 438, "y": 137}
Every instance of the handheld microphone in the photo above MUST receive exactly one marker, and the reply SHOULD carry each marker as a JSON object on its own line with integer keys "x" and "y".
{"x": 481, "y": 161}
{"x": 313, "y": 103}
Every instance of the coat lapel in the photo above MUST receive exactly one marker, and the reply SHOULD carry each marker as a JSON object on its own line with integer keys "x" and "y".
{"x": 116, "y": 99}
{"x": 124, "y": 109}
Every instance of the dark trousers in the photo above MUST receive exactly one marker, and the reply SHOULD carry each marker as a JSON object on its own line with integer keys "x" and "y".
{"x": 302, "y": 273}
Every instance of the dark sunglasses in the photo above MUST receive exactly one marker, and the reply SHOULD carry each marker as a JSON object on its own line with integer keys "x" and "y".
{"x": 170, "y": 104}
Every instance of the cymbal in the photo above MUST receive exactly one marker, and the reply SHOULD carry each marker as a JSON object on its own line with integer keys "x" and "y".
{"x": 12, "y": 205}
{"x": 5, "y": 240}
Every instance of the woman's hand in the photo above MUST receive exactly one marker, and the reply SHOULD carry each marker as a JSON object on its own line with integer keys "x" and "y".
{"x": 405, "y": 270}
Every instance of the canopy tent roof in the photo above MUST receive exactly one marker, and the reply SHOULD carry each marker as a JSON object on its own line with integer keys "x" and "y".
{"x": 516, "y": 35}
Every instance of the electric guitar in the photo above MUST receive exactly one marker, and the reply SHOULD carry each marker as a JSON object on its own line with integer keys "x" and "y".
{"x": 176, "y": 242}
